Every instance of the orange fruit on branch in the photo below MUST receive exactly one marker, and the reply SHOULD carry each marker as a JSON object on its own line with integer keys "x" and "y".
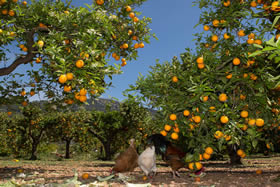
{"x": 222, "y": 97}
{"x": 244, "y": 114}
{"x": 174, "y": 136}
{"x": 209, "y": 150}
{"x": 173, "y": 117}
{"x": 224, "y": 119}
{"x": 80, "y": 63}
{"x": 62, "y": 78}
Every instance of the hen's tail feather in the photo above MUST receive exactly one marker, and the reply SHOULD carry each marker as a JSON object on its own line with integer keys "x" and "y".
{"x": 159, "y": 142}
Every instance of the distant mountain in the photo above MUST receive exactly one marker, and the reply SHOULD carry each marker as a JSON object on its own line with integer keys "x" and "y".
{"x": 99, "y": 104}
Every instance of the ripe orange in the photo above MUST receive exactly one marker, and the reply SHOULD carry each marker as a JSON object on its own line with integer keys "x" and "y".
{"x": 224, "y": 119}
{"x": 197, "y": 179}
{"x": 24, "y": 3}
{"x": 222, "y": 97}
{"x": 136, "y": 46}
{"x": 135, "y": 19}
{"x": 25, "y": 49}
{"x": 62, "y": 78}
{"x": 240, "y": 152}
{"x": 191, "y": 165}
{"x": 69, "y": 76}
{"x": 218, "y": 134}
{"x": 134, "y": 38}
{"x": 227, "y": 137}
{"x": 186, "y": 112}
{"x": 40, "y": 43}
{"x": 141, "y": 45}
{"x": 128, "y": 8}
{"x": 206, "y": 27}
{"x": 209, "y": 150}
{"x": 38, "y": 60}
{"x": 67, "y": 88}
{"x": 259, "y": 122}
{"x": 23, "y": 93}
{"x": 167, "y": 127}
{"x": 214, "y": 38}
{"x": 199, "y": 60}
{"x": 258, "y": 41}
{"x": 4, "y": 11}
{"x": 85, "y": 175}
{"x": 11, "y": 13}
{"x": 197, "y": 119}
{"x": 226, "y": 36}
{"x": 206, "y": 156}
{"x": 163, "y": 133}
{"x": 80, "y": 63}
{"x": 259, "y": 171}
{"x": 253, "y": 3}
{"x": 131, "y": 15}
{"x": 125, "y": 45}
{"x": 241, "y": 33}
{"x": 212, "y": 109}
{"x": 216, "y": 23}
{"x": 32, "y": 92}
{"x": 83, "y": 91}
{"x": 205, "y": 98}
{"x": 236, "y": 61}
{"x": 174, "y": 136}
{"x": 176, "y": 129}
{"x": 174, "y": 79}
{"x": 229, "y": 76}
{"x": 9, "y": 113}
{"x": 123, "y": 64}
{"x": 250, "y": 41}
{"x": 200, "y": 66}
{"x": 226, "y": 3}
{"x": 251, "y": 36}
{"x": 83, "y": 98}
{"x": 275, "y": 6}
{"x": 100, "y": 2}
{"x": 173, "y": 117}
{"x": 198, "y": 165}
{"x": 244, "y": 114}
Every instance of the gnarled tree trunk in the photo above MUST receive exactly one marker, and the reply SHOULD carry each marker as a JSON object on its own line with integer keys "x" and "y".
{"x": 234, "y": 158}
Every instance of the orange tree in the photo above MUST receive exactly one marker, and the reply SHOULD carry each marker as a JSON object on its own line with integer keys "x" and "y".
{"x": 28, "y": 130}
{"x": 114, "y": 128}
{"x": 65, "y": 48}
{"x": 220, "y": 99}
{"x": 70, "y": 127}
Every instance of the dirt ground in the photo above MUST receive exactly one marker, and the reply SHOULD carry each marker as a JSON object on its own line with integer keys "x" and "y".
{"x": 217, "y": 173}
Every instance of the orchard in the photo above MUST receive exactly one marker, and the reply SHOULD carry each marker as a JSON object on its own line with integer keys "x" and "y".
{"x": 219, "y": 102}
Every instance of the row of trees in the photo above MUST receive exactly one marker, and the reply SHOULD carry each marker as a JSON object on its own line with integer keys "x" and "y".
{"x": 225, "y": 95}
{"x": 23, "y": 133}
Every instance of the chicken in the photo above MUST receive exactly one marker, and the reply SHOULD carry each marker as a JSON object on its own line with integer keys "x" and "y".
{"x": 147, "y": 161}
{"x": 127, "y": 160}
{"x": 172, "y": 155}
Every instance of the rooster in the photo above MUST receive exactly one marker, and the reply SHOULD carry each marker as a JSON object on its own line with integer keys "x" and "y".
{"x": 127, "y": 160}
{"x": 172, "y": 155}
{"x": 147, "y": 161}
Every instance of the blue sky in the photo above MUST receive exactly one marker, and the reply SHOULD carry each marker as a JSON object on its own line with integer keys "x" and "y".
{"x": 173, "y": 23}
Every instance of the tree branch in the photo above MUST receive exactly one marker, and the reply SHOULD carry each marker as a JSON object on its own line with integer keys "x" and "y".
{"x": 30, "y": 53}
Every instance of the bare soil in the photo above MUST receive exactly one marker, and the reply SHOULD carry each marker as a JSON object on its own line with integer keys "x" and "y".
{"x": 218, "y": 173}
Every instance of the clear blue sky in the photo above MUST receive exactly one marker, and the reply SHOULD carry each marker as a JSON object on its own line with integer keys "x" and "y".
{"x": 173, "y": 23}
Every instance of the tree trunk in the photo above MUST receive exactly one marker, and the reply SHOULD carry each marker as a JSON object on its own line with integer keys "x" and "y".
{"x": 108, "y": 154}
{"x": 234, "y": 158}
{"x": 67, "y": 152}
{"x": 33, "y": 151}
